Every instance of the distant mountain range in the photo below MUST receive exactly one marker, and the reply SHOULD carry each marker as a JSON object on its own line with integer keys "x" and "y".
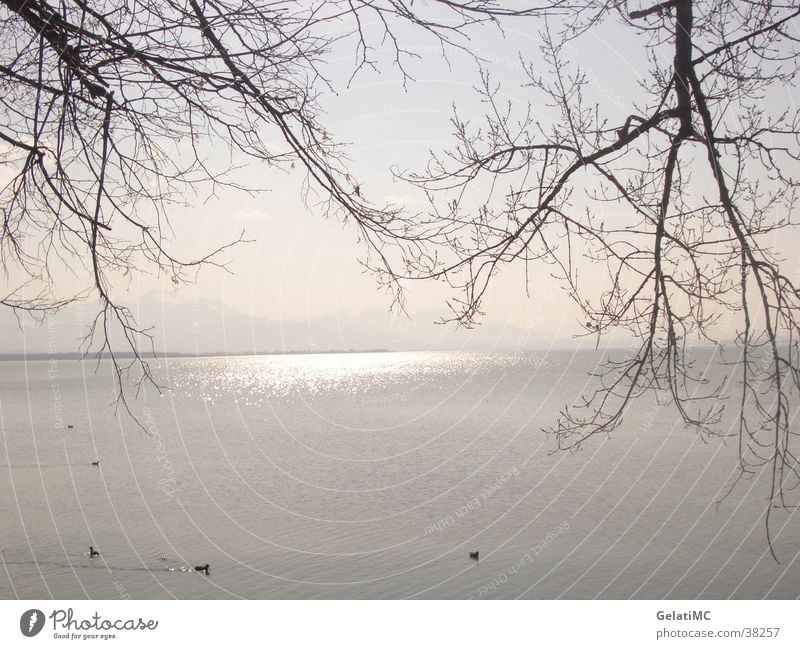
{"x": 205, "y": 326}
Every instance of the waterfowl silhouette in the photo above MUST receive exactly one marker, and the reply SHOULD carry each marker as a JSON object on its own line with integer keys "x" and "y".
{"x": 96, "y": 463}
{"x": 202, "y": 568}
{"x": 474, "y": 555}
{"x": 70, "y": 426}
{"x": 93, "y": 553}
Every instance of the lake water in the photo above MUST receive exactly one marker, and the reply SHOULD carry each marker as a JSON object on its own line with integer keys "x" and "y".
{"x": 367, "y": 476}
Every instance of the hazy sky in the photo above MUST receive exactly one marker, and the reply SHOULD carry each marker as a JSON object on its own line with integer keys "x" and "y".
{"x": 300, "y": 266}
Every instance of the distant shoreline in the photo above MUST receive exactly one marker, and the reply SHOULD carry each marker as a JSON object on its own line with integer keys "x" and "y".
{"x": 67, "y": 356}
{"x": 77, "y": 356}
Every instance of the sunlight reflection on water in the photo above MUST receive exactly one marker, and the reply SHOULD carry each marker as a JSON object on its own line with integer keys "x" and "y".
{"x": 368, "y": 475}
{"x": 259, "y": 377}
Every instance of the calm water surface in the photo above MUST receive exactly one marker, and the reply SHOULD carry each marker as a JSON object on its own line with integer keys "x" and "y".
{"x": 366, "y": 476}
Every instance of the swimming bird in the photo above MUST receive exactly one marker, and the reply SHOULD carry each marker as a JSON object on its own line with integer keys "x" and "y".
{"x": 70, "y": 426}
{"x": 96, "y": 463}
{"x": 474, "y": 555}
{"x": 202, "y": 568}
{"x": 93, "y": 553}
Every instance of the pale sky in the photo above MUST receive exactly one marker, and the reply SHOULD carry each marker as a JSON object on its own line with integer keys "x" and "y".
{"x": 300, "y": 266}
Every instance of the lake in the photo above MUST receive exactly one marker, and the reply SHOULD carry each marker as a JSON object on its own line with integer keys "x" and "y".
{"x": 368, "y": 476}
